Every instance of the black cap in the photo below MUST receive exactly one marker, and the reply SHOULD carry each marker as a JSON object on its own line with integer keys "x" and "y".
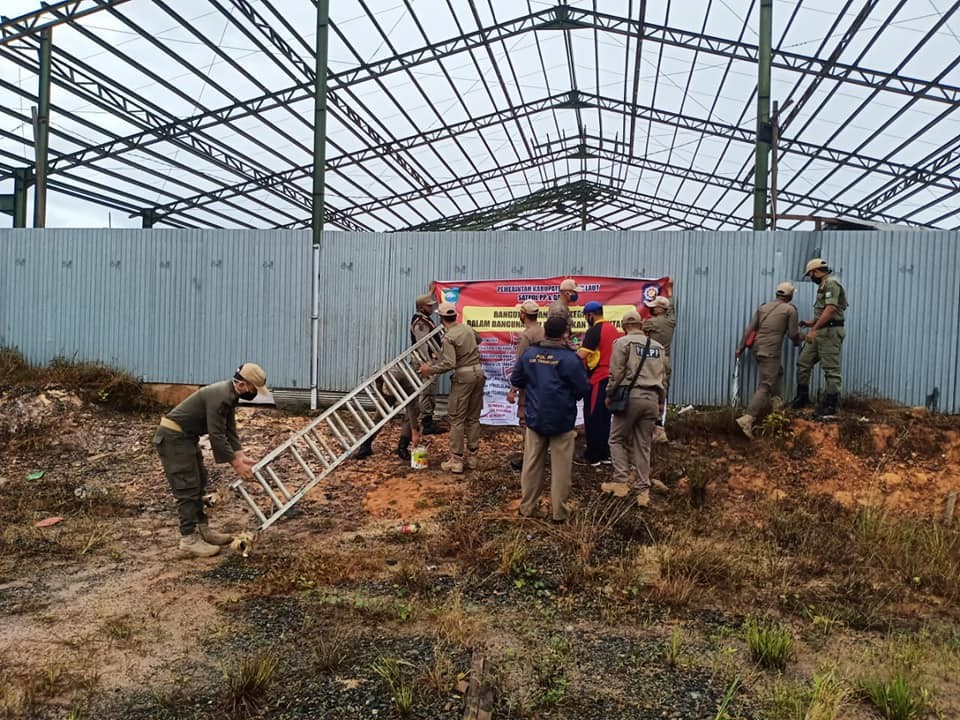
{"x": 555, "y": 327}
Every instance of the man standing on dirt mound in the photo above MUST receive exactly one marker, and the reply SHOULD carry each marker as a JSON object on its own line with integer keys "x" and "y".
{"x": 208, "y": 411}
{"x": 764, "y": 336}
{"x": 637, "y": 364}
{"x": 823, "y": 340}
{"x": 460, "y": 352}
{"x": 660, "y": 326}
{"x": 554, "y": 380}
{"x": 531, "y": 335}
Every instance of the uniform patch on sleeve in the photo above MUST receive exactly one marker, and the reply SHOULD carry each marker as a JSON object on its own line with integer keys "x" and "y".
{"x": 828, "y": 294}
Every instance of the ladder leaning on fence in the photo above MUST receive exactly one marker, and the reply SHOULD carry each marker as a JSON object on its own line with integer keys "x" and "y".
{"x": 289, "y": 471}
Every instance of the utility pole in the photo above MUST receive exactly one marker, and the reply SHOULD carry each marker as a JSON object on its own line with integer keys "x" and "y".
{"x": 320, "y": 120}
{"x": 775, "y": 132}
{"x": 41, "y": 130}
{"x": 764, "y": 134}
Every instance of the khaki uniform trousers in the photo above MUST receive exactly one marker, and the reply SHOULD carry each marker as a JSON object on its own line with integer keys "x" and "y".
{"x": 630, "y": 436}
{"x": 428, "y": 401}
{"x": 183, "y": 465}
{"x": 535, "y": 448}
{"x": 825, "y": 349}
{"x": 769, "y": 384}
{"x": 464, "y": 406}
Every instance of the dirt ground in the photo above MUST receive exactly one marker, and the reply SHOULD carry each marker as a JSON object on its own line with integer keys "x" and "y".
{"x": 830, "y": 534}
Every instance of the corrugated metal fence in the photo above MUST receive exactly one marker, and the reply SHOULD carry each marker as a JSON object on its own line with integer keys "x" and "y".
{"x": 180, "y": 306}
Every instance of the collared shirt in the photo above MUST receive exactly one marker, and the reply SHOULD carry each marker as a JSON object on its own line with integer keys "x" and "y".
{"x": 460, "y": 348}
{"x": 627, "y": 354}
{"x": 211, "y": 410}
{"x": 830, "y": 292}
{"x": 771, "y": 321}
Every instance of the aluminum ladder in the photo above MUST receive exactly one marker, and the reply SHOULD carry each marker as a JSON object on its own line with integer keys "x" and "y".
{"x": 291, "y": 470}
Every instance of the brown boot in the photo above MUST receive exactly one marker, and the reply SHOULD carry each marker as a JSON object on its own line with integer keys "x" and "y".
{"x": 195, "y": 545}
{"x": 453, "y": 465}
{"x": 212, "y": 536}
{"x": 658, "y": 486}
{"x": 643, "y": 498}
{"x": 618, "y": 489}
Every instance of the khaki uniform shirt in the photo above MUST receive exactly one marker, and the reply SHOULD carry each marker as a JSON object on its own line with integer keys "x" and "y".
{"x": 421, "y": 325}
{"x": 460, "y": 348}
{"x": 660, "y": 328}
{"x": 771, "y": 321}
{"x": 211, "y": 411}
{"x": 558, "y": 309}
{"x": 531, "y": 335}
{"x": 830, "y": 292}
{"x": 625, "y": 358}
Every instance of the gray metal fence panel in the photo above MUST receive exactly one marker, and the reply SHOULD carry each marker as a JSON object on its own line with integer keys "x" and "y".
{"x": 175, "y": 306}
{"x": 187, "y": 306}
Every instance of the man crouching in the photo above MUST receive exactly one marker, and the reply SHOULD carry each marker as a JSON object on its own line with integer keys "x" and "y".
{"x": 208, "y": 411}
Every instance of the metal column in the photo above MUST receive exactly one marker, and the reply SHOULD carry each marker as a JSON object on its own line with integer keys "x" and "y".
{"x": 764, "y": 134}
{"x": 41, "y": 130}
{"x": 319, "y": 167}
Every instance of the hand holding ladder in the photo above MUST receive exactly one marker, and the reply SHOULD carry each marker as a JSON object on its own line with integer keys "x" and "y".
{"x": 291, "y": 470}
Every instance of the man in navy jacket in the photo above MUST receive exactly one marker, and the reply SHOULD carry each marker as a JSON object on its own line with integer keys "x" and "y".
{"x": 554, "y": 379}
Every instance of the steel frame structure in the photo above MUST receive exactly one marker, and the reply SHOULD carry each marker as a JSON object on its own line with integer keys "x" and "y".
{"x": 484, "y": 118}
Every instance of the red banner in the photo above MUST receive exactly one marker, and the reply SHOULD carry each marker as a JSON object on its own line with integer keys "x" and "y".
{"x": 490, "y": 306}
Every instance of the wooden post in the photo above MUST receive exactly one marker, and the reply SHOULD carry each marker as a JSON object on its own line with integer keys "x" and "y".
{"x": 478, "y": 704}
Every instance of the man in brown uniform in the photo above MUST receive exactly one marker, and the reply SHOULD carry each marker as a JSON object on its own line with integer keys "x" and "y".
{"x": 532, "y": 334}
{"x": 661, "y": 327}
{"x": 208, "y": 411}
{"x": 770, "y": 322}
{"x": 631, "y": 431}
{"x": 460, "y": 352}
{"x": 569, "y": 293}
{"x": 421, "y": 325}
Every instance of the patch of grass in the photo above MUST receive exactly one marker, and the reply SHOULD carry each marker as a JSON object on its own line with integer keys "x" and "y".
{"x": 771, "y": 646}
{"x": 776, "y": 427}
{"x": 828, "y": 699}
{"x": 551, "y": 670}
{"x": 896, "y": 698}
{"x": 94, "y": 382}
{"x": 454, "y": 625}
{"x": 870, "y": 405}
{"x": 395, "y": 675}
{"x": 857, "y": 437}
{"x": 249, "y": 682}
{"x": 331, "y": 651}
{"x": 706, "y": 422}
{"x": 438, "y": 675}
{"x": 672, "y": 653}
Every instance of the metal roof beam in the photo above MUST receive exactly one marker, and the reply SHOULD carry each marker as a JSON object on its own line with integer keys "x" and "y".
{"x": 49, "y": 16}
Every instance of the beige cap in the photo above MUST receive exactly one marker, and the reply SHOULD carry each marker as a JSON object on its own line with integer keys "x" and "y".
{"x": 529, "y": 307}
{"x": 571, "y": 285}
{"x": 447, "y": 310}
{"x": 427, "y": 299}
{"x": 253, "y": 374}
{"x": 785, "y": 288}
{"x": 658, "y": 302}
{"x": 816, "y": 264}
{"x": 631, "y": 317}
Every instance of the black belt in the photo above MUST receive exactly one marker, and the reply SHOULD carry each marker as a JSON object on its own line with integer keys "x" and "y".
{"x": 834, "y": 323}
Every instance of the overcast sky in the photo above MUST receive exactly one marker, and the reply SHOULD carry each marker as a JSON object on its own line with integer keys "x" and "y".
{"x": 533, "y": 66}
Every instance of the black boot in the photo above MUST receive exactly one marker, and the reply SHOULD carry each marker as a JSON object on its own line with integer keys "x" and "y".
{"x": 365, "y": 450}
{"x": 803, "y": 397}
{"x": 517, "y": 463}
{"x": 828, "y": 406}
{"x": 432, "y": 428}
{"x": 403, "y": 448}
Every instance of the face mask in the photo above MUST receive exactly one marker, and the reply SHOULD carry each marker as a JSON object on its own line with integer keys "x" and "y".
{"x": 249, "y": 395}
{"x": 574, "y": 297}
{"x": 590, "y": 321}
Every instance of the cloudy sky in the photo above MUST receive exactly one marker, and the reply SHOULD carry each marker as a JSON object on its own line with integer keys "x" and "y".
{"x": 202, "y": 55}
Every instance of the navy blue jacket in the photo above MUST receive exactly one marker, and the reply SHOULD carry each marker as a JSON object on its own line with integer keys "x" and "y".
{"x": 554, "y": 379}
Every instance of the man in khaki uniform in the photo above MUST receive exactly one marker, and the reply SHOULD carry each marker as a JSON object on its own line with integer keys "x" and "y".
{"x": 554, "y": 379}
{"x": 631, "y": 431}
{"x": 421, "y": 325}
{"x": 661, "y": 326}
{"x": 769, "y": 324}
{"x": 532, "y": 334}
{"x": 569, "y": 293}
{"x": 208, "y": 411}
{"x": 460, "y": 352}
{"x": 823, "y": 340}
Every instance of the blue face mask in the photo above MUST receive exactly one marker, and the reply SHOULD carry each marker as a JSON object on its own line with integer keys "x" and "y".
{"x": 574, "y": 297}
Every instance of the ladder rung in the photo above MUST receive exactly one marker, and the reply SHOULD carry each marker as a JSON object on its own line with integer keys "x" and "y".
{"x": 251, "y": 503}
{"x": 376, "y": 403}
{"x": 316, "y": 451}
{"x": 333, "y": 421}
{"x": 303, "y": 464}
{"x": 363, "y": 420}
{"x": 266, "y": 486}
{"x": 398, "y": 392}
{"x": 323, "y": 443}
